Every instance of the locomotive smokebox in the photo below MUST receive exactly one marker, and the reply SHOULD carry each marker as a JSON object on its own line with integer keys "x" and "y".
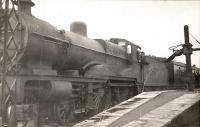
{"x": 25, "y": 6}
{"x": 79, "y": 28}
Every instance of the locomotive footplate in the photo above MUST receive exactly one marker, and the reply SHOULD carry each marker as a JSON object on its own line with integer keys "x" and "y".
{"x": 121, "y": 79}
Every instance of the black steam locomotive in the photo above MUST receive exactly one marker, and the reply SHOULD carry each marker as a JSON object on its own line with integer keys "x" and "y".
{"x": 63, "y": 75}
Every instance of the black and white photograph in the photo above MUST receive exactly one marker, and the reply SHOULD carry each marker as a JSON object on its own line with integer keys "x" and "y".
{"x": 99, "y": 63}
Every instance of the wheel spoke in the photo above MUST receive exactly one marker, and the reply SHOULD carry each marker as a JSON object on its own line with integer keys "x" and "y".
{"x": 62, "y": 112}
{"x": 62, "y": 115}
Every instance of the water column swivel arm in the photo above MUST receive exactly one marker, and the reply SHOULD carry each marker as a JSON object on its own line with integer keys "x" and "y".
{"x": 187, "y": 51}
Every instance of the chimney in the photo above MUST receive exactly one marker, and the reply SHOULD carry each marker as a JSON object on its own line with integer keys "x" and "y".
{"x": 25, "y": 6}
{"x": 79, "y": 28}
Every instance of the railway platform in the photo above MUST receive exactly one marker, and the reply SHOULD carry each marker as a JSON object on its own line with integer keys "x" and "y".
{"x": 151, "y": 109}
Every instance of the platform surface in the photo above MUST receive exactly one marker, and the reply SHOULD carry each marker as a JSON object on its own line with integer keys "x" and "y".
{"x": 148, "y": 109}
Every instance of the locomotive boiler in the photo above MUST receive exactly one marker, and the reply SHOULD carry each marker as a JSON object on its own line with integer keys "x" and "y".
{"x": 65, "y": 75}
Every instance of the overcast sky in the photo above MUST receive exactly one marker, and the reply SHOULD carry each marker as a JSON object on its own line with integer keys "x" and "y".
{"x": 154, "y": 25}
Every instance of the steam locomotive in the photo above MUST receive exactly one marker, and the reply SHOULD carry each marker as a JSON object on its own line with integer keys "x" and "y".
{"x": 63, "y": 75}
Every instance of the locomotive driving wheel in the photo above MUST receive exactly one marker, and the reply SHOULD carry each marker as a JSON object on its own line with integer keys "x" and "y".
{"x": 105, "y": 102}
{"x": 10, "y": 111}
{"x": 99, "y": 100}
{"x": 63, "y": 113}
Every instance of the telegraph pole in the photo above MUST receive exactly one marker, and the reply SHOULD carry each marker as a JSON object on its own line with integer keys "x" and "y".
{"x": 8, "y": 45}
{"x": 4, "y": 38}
{"x": 1, "y": 26}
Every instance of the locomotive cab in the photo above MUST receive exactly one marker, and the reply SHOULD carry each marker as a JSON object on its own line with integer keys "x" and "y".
{"x": 131, "y": 49}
